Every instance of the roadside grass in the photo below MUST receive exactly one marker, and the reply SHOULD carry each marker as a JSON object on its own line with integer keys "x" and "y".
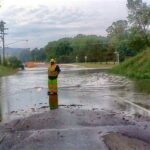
{"x": 97, "y": 65}
{"x": 5, "y": 71}
{"x": 142, "y": 85}
{"x": 137, "y": 67}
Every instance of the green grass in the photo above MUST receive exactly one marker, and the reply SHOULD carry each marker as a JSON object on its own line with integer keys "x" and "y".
{"x": 5, "y": 71}
{"x": 142, "y": 85}
{"x": 137, "y": 67}
{"x": 97, "y": 65}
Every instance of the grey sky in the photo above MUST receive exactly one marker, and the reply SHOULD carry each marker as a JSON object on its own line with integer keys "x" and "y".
{"x": 41, "y": 21}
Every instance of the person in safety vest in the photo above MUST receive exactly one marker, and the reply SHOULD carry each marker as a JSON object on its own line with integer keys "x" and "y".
{"x": 53, "y": 72}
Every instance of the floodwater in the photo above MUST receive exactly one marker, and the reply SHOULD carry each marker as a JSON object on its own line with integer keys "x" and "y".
{"x": 26, "y": 92}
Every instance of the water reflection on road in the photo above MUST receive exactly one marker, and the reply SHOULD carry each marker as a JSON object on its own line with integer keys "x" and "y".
{"x": 27, "y": 91}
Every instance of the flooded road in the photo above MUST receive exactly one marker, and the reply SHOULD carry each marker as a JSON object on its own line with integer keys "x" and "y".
{"x": 26, "y": 92}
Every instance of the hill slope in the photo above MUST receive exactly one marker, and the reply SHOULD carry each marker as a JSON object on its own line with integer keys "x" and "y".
{"x": 14, "y": 51}
{"x": 136, "y": 67}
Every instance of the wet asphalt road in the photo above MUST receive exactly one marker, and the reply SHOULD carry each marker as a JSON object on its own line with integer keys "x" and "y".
{"x": 74, "y": 129}
{"x": 26, "y": 92}
{"x": 92, "y": 105}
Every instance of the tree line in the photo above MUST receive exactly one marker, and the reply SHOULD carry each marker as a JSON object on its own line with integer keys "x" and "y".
{"x": 127, "y": 37}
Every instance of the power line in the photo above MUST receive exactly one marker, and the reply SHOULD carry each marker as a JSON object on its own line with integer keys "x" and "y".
{"x": 16, "y": 42}
{"x": 2, "y": 35}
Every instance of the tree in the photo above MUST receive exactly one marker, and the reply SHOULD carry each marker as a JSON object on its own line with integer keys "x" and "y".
{"x": 117, "y": 33}
{"x": 124, "y": 50}
{"x": 68, "y": 49}
{"x": 50, "y": 50}
{"x": 117, "y": 29}
{"x": 139, "y": 17}
{"x": 136, "y": 42}
{"x": 38, "y": 55}
{"x": 63, "y": 48}
{"x": 25, "y": 55}
{"x": 14, "y": 62}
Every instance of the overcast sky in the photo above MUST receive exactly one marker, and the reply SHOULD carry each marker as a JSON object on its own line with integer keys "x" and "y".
{"x": 41, "y": 21}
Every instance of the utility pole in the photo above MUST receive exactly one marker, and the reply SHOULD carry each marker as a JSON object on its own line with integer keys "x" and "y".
{"x": 2, "y": 35}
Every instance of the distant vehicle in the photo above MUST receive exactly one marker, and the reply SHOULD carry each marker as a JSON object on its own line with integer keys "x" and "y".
{"x": 21, "y": 67}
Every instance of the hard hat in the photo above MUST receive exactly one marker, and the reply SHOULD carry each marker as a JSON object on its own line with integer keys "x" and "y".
{"x": 52, "y": 60}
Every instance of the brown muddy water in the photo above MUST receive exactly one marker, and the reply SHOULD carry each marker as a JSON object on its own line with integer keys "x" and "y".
{"x": 26, "y": 92}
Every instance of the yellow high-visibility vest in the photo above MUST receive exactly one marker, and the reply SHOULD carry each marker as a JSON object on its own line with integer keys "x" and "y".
{"x": 51, "y": 71}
